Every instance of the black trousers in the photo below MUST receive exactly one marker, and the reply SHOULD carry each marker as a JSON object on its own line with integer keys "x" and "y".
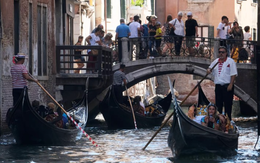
{"x": 118, "y": 89}
{"x": 224, "y": 98}
{"x": 177, "y": 44}
{"x": 16, "y": 94}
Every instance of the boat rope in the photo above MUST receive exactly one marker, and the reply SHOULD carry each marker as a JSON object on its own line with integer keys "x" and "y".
{"x": 256, "y": 142}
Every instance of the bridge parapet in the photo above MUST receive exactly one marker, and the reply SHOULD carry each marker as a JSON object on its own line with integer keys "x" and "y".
{"x": 201, "y": 47}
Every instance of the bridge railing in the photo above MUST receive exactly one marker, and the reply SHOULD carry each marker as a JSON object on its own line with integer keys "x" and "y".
{"x": 204, "y": 47}
{"x": 99, "y": 61}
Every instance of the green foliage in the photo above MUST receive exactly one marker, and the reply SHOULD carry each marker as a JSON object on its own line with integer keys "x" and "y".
{"x": 137, "y": 3}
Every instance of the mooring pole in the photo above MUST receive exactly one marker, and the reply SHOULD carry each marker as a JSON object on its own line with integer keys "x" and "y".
{"x": 257, "y": 55}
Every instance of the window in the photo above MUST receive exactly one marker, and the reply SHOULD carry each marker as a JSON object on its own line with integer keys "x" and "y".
{"x": 42, "y": 40}
{"x": 108, "y": 8}
{"x": 122, "y": 4}
{"x": 152, "y": 6}
{"x": 16, "y": 26}
{"x": 255, "y": 1}
{"x": 30, "y": 38}
{"x": 254, "y": 34}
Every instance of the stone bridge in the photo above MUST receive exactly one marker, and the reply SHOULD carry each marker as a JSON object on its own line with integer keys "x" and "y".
{"x": 139, "y": 70}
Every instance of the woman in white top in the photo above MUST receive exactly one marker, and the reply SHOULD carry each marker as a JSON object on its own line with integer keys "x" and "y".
{"x": 179, "y": 31}
{"x": 93, "y": 39}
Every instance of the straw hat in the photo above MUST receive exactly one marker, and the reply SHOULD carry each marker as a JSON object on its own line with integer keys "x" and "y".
{"x": 20, "y": 55}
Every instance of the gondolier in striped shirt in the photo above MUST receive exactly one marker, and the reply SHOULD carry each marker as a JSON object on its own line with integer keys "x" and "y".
{"x": 19, "y": 76}
{"x": 224, "y": 77}
{"x": 119, "y": 79}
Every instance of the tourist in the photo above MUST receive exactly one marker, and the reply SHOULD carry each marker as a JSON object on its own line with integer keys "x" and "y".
{"x": 20, "y": 75}
{"x": 191, "y": 32}
{"x": 121, "y": 31}
{"x": 99, "y": 26}
{"x": 168, "y": 40}
{"x": 158, "y": 38}
{"x": 118, "y": 79}
{"x": 224, "y": 77}
{"x": 138, "y": 108}
{"x": 134, "y": 28}
{"x": 152, "y": 32}
{"x": 179, "y": 32}
{"x": 223, "y": 30}
{"x": 77, "y": 56}
{"x": 107, "y": 40}
{"x": 237, "y": 34}
{"x": 131, "y": 20}
{"x": 247, "y": 34}
{"x": 93, "y": 39}
{"x": 211, "y": 119}
{"x": 192, "y": 113}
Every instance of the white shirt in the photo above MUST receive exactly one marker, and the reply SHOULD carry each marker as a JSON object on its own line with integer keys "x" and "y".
{"x": 134, "y": 29}
{"x": 229, "y": 69}
{"x": 247, "y": 36}
{"x": 179, "y": 27}
{"x": 93, "y": 40}
{"x": 223, "y": 32}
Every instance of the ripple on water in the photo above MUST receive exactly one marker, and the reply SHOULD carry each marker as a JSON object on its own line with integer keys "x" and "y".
{"x": 124, "y": 146}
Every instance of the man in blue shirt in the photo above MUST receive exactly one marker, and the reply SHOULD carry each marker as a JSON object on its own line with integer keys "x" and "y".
{"x": 121, "y": 31}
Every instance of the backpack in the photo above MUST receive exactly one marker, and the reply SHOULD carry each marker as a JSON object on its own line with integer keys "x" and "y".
{"x": 243, "y": 54}
{"x": 144, "y": 30}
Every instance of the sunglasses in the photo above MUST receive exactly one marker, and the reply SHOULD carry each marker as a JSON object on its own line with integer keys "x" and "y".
{"x": 221, "y": 52}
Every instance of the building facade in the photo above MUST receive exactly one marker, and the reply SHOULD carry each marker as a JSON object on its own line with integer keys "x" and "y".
{"x": 209, "y": 12}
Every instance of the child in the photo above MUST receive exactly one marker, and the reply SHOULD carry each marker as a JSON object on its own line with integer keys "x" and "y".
{"x": 158, "y": 37}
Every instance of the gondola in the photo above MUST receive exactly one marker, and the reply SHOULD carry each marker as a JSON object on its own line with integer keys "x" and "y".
{"x": 187, "y": 137}
{"x": 118, "y": 116}
{"x": 28, "y": 127}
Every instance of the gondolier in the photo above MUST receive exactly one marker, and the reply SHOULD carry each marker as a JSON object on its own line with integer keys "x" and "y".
{"x": 118, "y": 79}
{"x": 224, "y": 78}
{"x": 19, "y": 76}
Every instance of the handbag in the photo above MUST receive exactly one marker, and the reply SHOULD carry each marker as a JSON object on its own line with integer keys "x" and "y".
{"x": 172, "y": 33}
{"x": 94, "y": 51}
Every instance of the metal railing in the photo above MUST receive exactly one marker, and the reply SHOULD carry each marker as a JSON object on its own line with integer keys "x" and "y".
{"x": 99, "y": 62}
{"x": 204, "y": 47}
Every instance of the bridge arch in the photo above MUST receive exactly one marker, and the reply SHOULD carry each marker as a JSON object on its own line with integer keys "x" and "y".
{"x": 186, "y": 68}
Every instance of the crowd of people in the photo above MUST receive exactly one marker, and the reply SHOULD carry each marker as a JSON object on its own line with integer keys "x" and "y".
{"x": 154, "y": 39}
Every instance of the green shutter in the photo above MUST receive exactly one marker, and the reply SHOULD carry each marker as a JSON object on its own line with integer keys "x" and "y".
{"x": 108, "y": 8}
{"x": 122, "y": 5}
{"x": 152, "y": 7}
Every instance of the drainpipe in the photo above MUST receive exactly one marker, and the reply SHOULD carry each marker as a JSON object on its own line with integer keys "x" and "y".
{"x": 105, "y": 15}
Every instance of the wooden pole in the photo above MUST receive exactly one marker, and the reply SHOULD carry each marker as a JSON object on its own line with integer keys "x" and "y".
{"x": 257, "y": 55}
{"x": 180, "y": 105}
{"x": 131, "y": 107}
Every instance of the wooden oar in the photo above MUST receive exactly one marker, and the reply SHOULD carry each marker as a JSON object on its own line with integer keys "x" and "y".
{"x": 131, "y": 107}
{"x": 92, "y": 141}
{"x": 180, "y": 105}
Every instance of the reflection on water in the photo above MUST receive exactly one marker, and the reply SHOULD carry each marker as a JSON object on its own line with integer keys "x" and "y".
{"x": 124, "y": 146}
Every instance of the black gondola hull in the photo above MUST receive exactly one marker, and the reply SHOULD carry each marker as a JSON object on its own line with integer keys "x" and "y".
{"x": 118, "y": 117}
{"x": 187, "y": 136}
{"x": 28, "y": 127}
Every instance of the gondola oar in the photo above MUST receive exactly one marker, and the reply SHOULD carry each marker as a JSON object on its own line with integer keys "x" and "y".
{"x": 92, "y": 141}
{"x": 180, "y": 105}
{"x": 131, "y": 107}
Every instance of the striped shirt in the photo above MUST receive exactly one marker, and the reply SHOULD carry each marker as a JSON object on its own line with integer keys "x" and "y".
{"x": 17, "y": 72}
{"x": 118, "y": 77}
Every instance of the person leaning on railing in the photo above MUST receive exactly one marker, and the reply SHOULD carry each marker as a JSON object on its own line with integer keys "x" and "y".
{"x": 122, "y": 30}
{"x": 77, "y": 56}
{"x": 93, "y": 39}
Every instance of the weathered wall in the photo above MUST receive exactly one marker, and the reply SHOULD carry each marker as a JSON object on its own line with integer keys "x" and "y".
{"x": 7, "y": 51}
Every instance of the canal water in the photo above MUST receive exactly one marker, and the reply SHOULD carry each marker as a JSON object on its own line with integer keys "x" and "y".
{"x": 125, "y": 146}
